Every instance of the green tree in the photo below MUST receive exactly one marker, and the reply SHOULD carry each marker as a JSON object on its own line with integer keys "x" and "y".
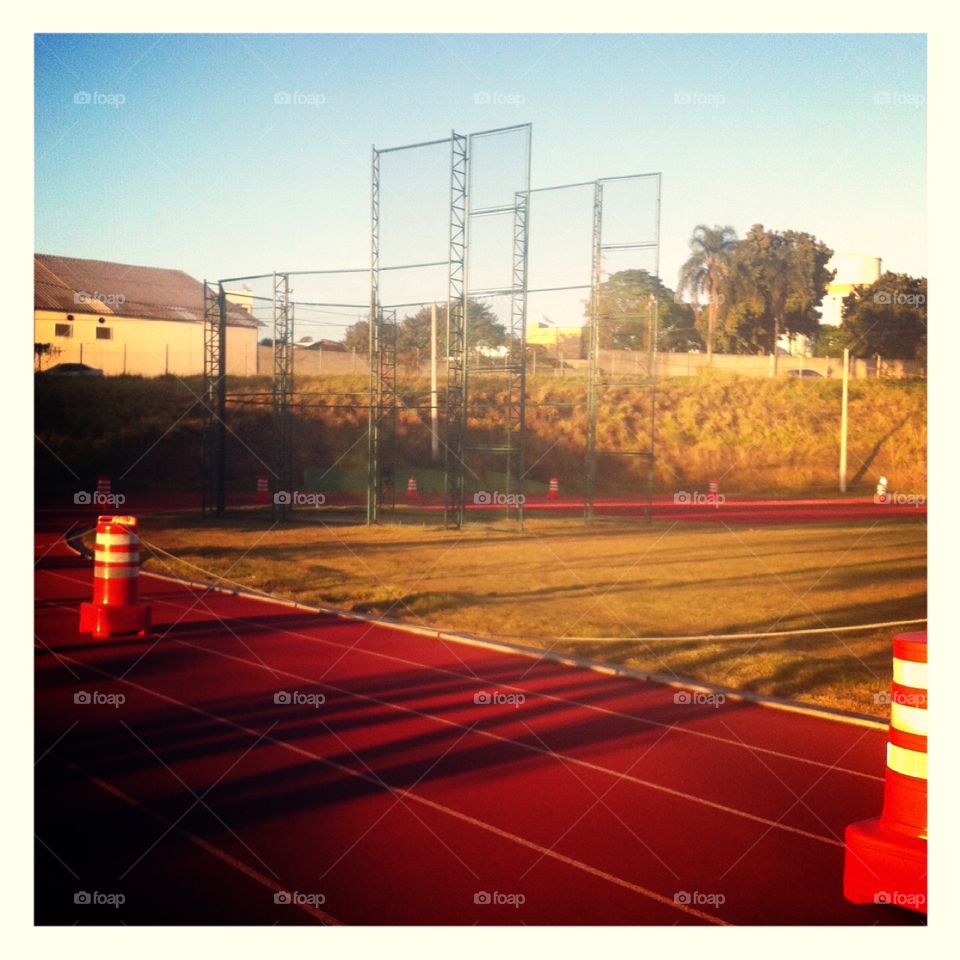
{"x": 702, "y": 276}
{"x": 357, "y": 336}
{"x": 774, "y": 284}
{"x": 888, "y": 317}
{"x": 832, "y": 341}
{"x": 484, "y": 329}
{"x": 629, "y": 302}
{"x": 413, "y": 331}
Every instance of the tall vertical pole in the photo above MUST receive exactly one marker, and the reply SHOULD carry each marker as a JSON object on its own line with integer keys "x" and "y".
{"x": 222, "y": 402}
{"x": 434, "y": 411}
{"x": 654, "y": 347}
{"x": 843, "y": 420}
{"x": 373, "y": 424}
{"x": 593, "y": 358}
{"x": 457, "y": 341}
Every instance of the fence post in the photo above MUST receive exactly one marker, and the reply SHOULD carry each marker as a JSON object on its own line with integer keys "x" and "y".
{"x": 843, "y": 420}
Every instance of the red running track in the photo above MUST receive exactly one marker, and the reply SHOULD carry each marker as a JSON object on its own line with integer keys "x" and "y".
{"x": 383, "y": 792}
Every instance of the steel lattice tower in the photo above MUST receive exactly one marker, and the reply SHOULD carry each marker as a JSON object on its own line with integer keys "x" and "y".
{"x": 282, "y": 389}
{"x": 214, "y": 444}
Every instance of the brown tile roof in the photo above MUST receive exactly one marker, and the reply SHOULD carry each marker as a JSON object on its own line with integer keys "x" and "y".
{"x": 104, "y": 288}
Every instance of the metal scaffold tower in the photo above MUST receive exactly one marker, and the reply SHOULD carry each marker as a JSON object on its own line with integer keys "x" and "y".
{"x": 503, "y": 205}
{"x": 455, "y": 414}
{"x": 382, "y": 415}
{"x": 282, "y": 389}
{"x": 214, "y": 442}
{"x": 593, "y": 351}
{"x": 516, "y": 360}
{"x": 602, "y": 319}
{"x": 465, "y": 204}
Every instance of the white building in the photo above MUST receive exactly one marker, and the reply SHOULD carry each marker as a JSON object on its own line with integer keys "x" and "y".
{"x": 853, "y": 269}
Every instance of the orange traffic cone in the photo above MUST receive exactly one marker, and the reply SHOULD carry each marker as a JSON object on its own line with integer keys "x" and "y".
{"x": 116, "y": 565}
{"x": 886, "y": 858}
{"x": 412, "y": 488}
{"x": 554, "y": 489}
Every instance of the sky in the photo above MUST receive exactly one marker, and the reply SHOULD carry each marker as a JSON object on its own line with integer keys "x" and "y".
{"x": 225, "y": 155}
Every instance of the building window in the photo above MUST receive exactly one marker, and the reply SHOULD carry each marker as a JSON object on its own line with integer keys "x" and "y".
{"x": 62, "y": 330}
{"x": 104, "y": 333}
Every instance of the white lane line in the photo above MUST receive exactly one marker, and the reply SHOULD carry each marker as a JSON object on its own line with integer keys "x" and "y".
{"x": 416, "y": 798}
{"x": 560, "y": 757}
{"x": 716, "y": 738}
{"x": 740, "y": 744}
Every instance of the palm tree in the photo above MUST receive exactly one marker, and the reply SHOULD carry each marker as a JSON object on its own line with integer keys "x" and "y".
{"x": 705, "y": 270}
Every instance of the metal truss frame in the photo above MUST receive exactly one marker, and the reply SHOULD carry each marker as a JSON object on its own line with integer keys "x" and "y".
{"x": 383, "y": 398}
{"x": 455, "y": 413}
{"x": 597, "y": 381}
{"x": 382, "y": 415}
{"x": 214, "y": 441}
{"x": 282, "y": 391}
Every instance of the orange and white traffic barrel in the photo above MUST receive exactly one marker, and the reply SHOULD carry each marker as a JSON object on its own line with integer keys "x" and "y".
{"x": 412, "y": 488}
{"x": 263, "y": 490}
{"x": 103, "y": 488}
{"x": 886, "y": 858}
{"x": 554, "y": 489}
{"x": 115, "y": 608}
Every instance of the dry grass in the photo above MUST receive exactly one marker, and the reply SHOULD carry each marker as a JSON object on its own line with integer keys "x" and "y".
{"x": 616, "y": 580}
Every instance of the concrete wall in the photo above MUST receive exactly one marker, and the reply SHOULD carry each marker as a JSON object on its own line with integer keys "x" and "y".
{"x": 619, "y": 363}
{"x": 146, "y": 347}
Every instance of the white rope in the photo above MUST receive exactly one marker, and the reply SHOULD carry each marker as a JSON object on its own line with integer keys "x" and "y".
{"x": 756, "y": 636}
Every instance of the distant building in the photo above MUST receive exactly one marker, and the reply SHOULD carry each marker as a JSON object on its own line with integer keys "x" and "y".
{"x": 556, "y": 339}
{"x": 853, "y": 269}
{"x": 129, "y": 319}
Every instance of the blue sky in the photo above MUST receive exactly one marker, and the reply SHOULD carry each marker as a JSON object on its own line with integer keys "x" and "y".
{"x": 185, "y": 159}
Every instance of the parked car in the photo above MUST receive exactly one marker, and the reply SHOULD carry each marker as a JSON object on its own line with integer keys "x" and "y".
{"x": 73, "y": 370}
{"x": 805, "y": 374}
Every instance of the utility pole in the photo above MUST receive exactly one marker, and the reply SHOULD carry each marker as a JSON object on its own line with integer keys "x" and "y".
{"x": 843, "y": 420}
{"x": 434, "y": 412}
